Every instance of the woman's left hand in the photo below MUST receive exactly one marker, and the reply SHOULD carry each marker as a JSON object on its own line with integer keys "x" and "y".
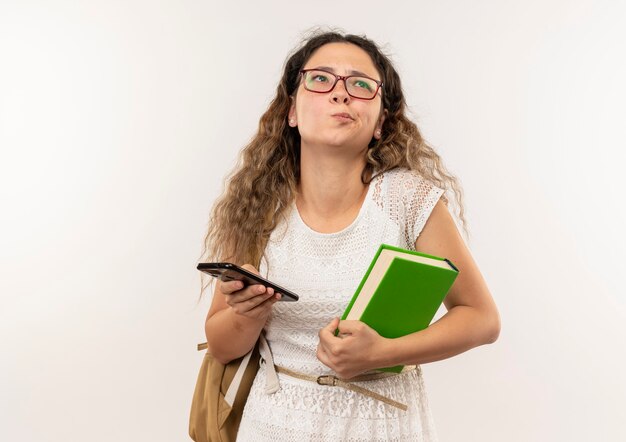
{"x": 353, "y": 351}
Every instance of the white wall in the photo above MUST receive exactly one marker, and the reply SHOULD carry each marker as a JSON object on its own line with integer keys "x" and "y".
{"x": 119, "y": 120}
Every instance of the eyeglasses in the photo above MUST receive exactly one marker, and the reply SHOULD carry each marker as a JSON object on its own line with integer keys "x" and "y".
{"x": 357, "y": 86}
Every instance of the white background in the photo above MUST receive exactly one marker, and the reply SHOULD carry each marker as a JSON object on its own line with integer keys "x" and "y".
{"x": 120, "y": 119}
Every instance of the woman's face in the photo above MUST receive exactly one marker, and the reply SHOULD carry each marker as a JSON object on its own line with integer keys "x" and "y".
{"x": 335, "y": 118}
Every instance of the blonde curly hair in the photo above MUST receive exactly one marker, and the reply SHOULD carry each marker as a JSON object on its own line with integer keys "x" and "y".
{"x": 264, "y": 182}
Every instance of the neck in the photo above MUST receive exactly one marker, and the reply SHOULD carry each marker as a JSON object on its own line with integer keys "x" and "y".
{"x": 330, "y": 184}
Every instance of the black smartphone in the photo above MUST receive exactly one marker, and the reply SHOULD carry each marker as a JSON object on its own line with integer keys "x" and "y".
{"x": 226, "y": 271}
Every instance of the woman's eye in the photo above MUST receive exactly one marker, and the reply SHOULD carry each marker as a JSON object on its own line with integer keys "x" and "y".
{"x": 320, "y": 78}
{"x": 362, "y": 84}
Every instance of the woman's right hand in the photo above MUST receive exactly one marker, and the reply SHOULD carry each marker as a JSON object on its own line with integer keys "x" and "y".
{"x": 253, "y": 301}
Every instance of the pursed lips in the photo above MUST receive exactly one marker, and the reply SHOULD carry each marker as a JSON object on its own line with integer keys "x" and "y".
{"x": 343, "y": 116}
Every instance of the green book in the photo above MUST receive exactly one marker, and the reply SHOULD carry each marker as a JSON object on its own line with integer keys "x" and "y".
{"x": 401, "y": 292}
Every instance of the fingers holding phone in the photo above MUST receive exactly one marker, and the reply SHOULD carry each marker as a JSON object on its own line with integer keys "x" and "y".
{"x": 254, "y": 301}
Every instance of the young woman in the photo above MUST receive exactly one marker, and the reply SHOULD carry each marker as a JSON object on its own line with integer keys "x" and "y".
{"x": 336, "y": 169}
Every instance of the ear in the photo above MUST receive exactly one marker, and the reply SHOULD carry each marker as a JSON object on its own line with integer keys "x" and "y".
{"x": 292, "y": 118}
{"x": 378, "y": 130}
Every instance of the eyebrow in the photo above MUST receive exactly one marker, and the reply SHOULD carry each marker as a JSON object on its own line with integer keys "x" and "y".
{"x": 353, "y": 72}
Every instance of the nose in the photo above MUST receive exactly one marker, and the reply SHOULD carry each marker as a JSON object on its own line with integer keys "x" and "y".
{"x": 340, "y": 94}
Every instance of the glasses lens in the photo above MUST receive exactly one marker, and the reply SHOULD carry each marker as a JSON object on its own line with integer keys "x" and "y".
{"x": 361, "y": 87}
{"x": 319, "y": 81}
